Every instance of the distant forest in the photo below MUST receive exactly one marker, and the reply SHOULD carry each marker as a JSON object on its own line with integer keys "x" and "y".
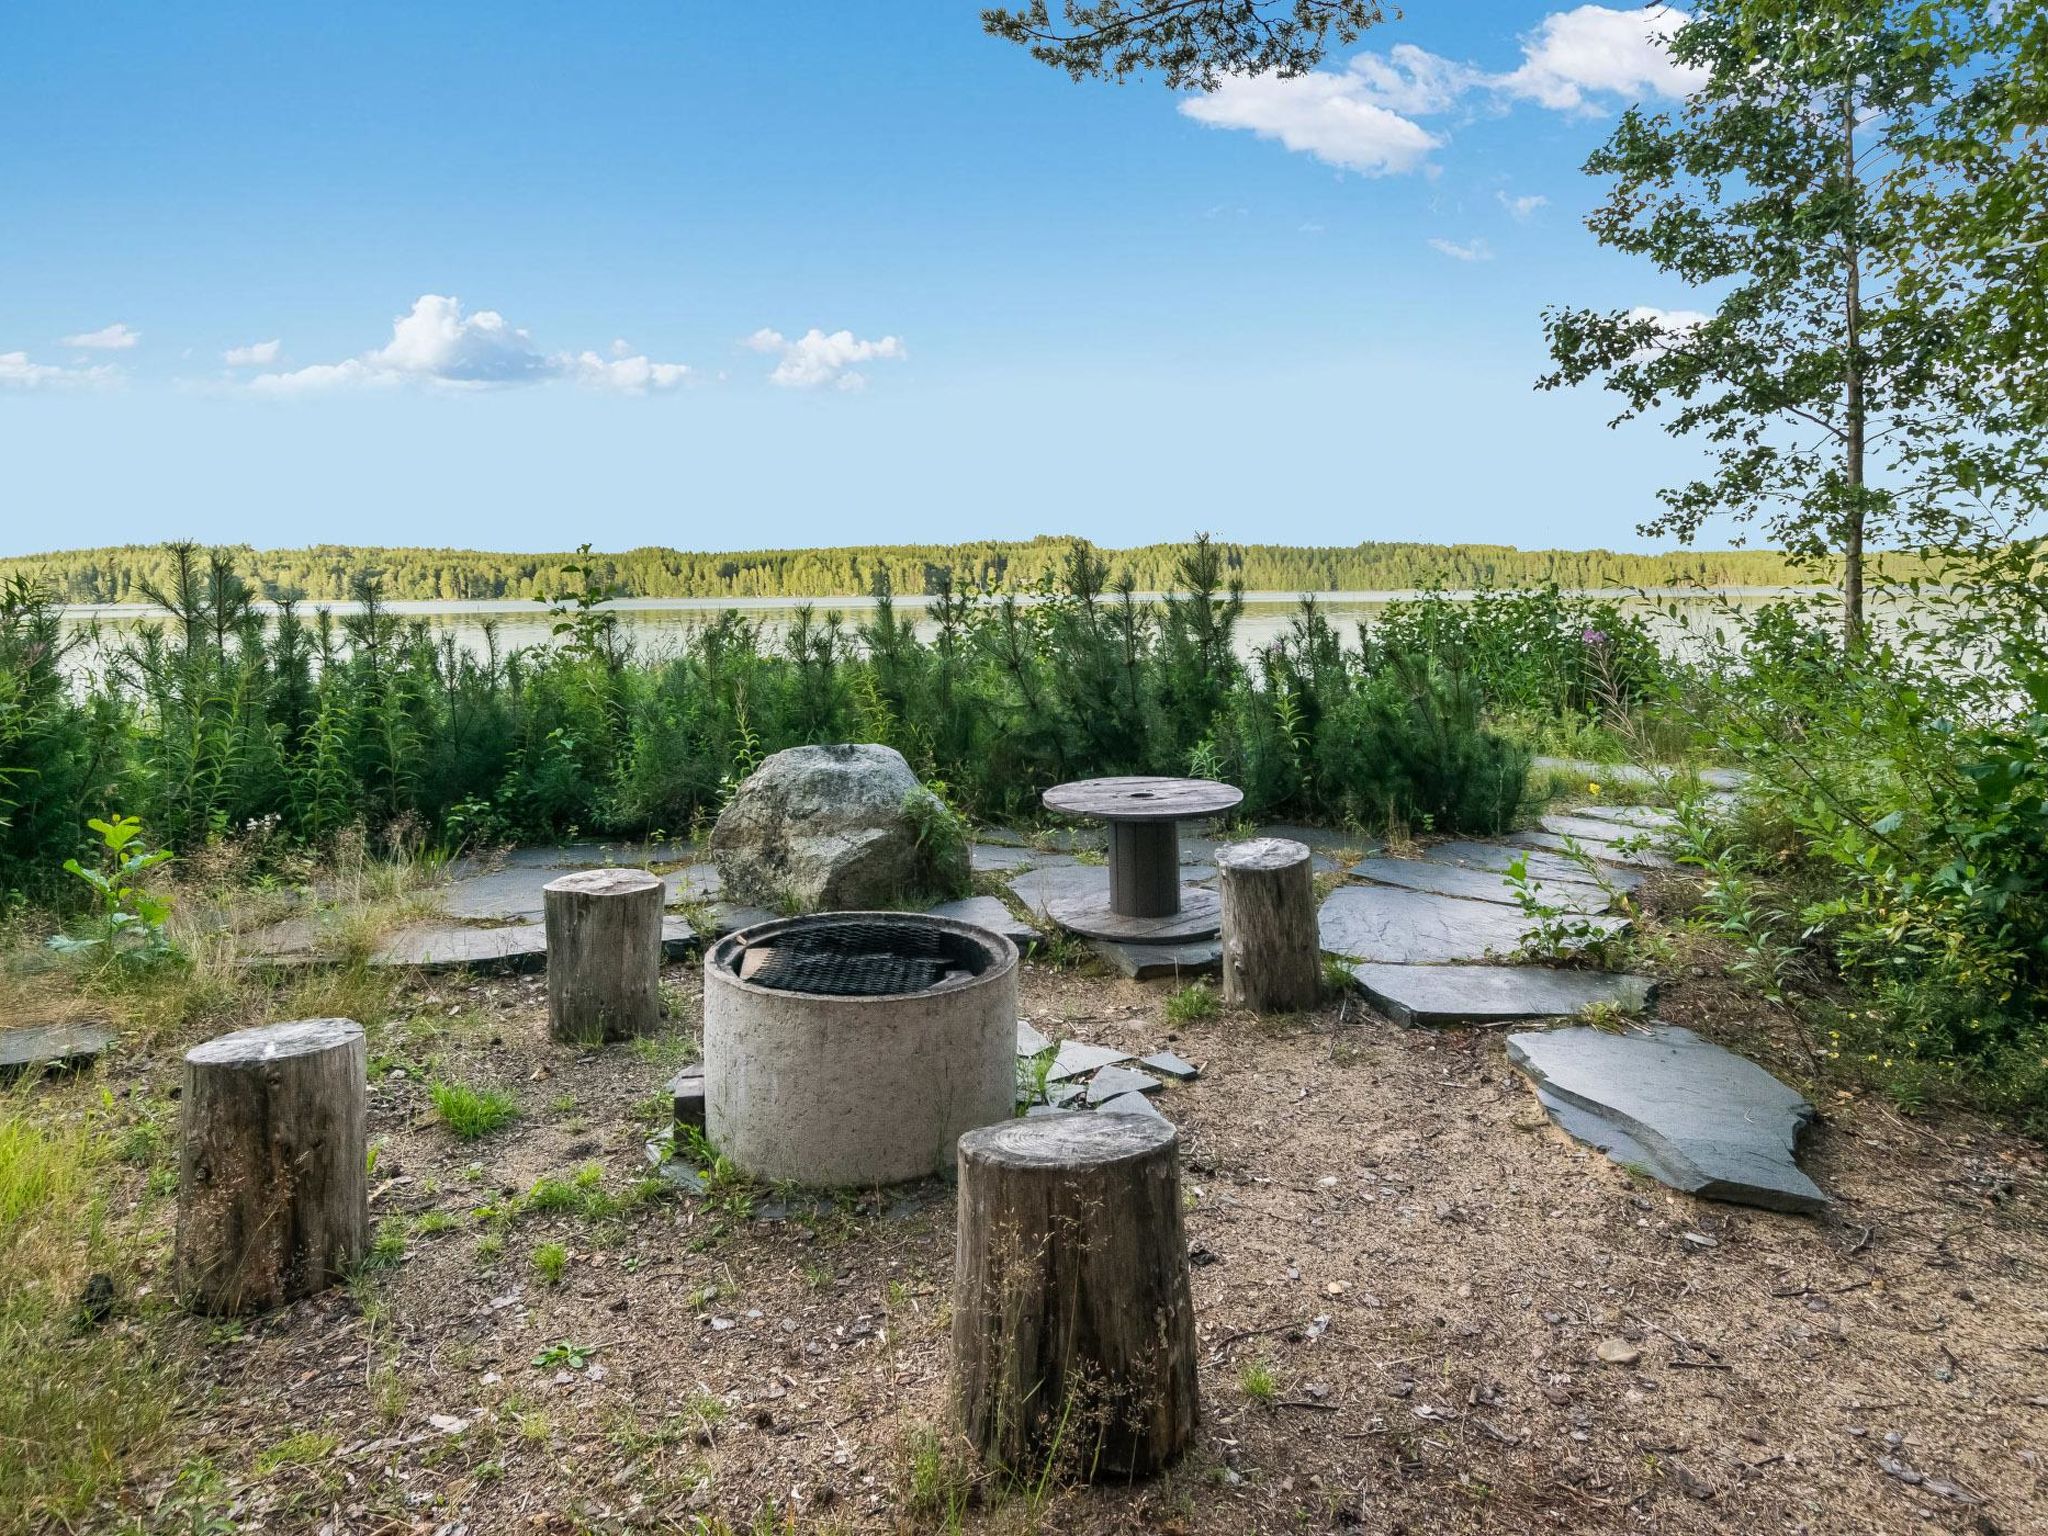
{"x": 327, "y": 571}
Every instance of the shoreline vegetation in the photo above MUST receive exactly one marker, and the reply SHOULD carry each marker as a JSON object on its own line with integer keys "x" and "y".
{"x": 122, "y": 574}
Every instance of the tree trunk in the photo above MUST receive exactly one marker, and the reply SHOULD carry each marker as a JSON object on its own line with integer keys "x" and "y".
{"x": 1854, "y": 408}
{"x": 1272, "y": 957}
{"x": 604, "y": 955}
{"x": 1073, "y": 1332}
{"x": 273, "y": 1186}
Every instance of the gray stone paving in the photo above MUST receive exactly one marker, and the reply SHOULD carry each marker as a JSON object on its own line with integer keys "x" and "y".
{"x": 1604, "y": 853}
{"x": 1039, "y": 888}
{"x": 1678, "y": 1107}
{"x": 1541, "y": 865}
{"x": 1637, "y": 778}
{"x": 1602, "y": 829}
{"x": 1478, "y": 884}
{"x": 1114, "y": 1080}
{"x": 987, "y": 912}
{"x": 1645, "y": 817}
{"x": 1445, "y": 995}
{"x": 1401, "y": 927}
{"x": 1150, "y": 962}
{"x": 1447, "y": 906}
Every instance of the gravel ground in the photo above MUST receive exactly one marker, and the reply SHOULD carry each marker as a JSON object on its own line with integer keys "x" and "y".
{"x": 1420, "y": 1309}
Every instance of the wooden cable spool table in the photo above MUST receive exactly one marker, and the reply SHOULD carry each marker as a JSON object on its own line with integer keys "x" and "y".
{"x": 1146, "y": 901}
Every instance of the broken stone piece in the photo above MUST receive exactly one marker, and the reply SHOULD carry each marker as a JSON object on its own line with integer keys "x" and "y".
{"x": 1078, "y": 1060}
{"x": 1130, "y": 1104}
{"x": 1112, "y": 1081}
{"x": 1170, "y": 1065}
{"x": 687, "y": 1088}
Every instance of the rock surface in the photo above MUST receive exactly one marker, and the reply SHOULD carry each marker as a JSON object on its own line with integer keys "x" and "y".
{"x": 835, "y": 828}
{"x": 1479, "y": 884}
{"x": 1602, "y": 852}
{"x": 50, "y": 1045}
{"x": 1383, "y": 923}
{"x": 1114, "y": 1080}
{"x": 987, "y": 912}
{"x": 1645, "y": 818}
{"x": 1149, "y": 962}
{"x": 1440, "y": 995}
{"x": 1682, "y": 1109}
{"x": 1546, "y": 866}
{"x": 1603, "y": 829}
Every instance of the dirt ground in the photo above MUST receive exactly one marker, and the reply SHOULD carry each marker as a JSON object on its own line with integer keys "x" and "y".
{"x": 1381, "y": 1219}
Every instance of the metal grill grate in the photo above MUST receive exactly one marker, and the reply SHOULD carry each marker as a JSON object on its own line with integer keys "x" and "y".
{"x": 836, "y": 973}
{"x": 857, "y": 959}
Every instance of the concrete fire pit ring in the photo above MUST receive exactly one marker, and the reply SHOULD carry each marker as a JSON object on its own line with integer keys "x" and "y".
{"x": 828, "y": 1090}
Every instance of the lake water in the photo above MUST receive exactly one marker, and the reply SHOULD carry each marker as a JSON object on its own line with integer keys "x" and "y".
{"x": 662, "y": 626}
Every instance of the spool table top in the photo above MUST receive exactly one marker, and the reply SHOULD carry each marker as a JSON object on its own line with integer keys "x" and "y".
{"x": 1141, "y": 797}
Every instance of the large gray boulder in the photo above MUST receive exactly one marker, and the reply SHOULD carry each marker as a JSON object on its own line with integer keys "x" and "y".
{"x": 836, "y": 829}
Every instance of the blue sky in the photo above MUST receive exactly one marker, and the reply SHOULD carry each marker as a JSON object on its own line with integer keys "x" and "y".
{"x": 1299, "y": 312}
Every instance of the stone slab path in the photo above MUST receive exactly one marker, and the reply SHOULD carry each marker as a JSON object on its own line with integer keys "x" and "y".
{"x": 1625, "y": 853}
{"x": 1540, "y": 865}
{"x": 1479, "y": 884}
{"x": 1403, "y": 927}
{"x": 1440, "y": 995}
{"x": 1662, "y": 1100}
{"x": 1448, "y": 906}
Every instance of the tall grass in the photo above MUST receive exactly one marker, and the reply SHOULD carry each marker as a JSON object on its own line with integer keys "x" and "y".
{"x": 77, "y": 1398}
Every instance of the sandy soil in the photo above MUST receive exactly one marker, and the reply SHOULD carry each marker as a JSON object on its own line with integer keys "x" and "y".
{"x": 1382, "y": 1219}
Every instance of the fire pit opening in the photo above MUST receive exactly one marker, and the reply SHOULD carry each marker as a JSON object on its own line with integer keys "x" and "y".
{"x": 859, "y": 957}
{"x": 855, "y": 1048}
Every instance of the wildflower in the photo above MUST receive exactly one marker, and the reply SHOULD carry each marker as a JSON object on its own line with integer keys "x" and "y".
{"x": 1592, "y": 789}
{"x": 1593, "y": 637}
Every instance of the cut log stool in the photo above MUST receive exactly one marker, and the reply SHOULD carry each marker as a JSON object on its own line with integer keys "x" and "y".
{"x": 1073, "y": 1333}
{"x": 604, "y": 954}
{"x": 1272, "y": 957}
{"x": 273, "y": 1185}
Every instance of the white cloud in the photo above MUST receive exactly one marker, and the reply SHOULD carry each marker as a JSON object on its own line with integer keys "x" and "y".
{"x": 258, "y": 354}
{"x": 1412, "y": 80}
{"x": 437, "y": 345}
{"x": 1338, "y": 118}
{"x": 1675, "y": 324}
{"x": 1471, "y": 250}
{"x": 438, "y": 341}
{"x": 1521, "y": 207}
{"x": 1363, "y": 118}
{"x": 627, "y": 375}
{"x": 17, "y": 372}
{"x": 1577, "y": 54}
{"x": 108, "y": 338}
{"x": 815, "y": 359}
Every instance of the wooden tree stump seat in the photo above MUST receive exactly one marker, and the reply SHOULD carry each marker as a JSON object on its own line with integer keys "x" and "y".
{"x": 1073, "y": 1332}
{"x": 604, "y": 954}
{"x": 1272, "y": 953}
{"x": 273, "y": 1186}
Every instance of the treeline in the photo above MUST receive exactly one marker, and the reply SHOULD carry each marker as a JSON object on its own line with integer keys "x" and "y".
{"x": 328, "y": 572}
